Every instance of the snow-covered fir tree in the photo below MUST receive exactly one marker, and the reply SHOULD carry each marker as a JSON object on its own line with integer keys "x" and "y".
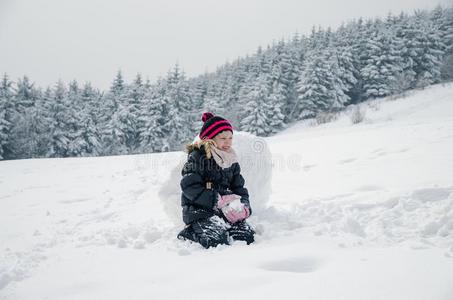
{"x": 133, "y": 103}
{"x": 275, "y": 115}
{"x": 77, "y": 144}
{"x": 297, "y": 49}
{"x": 30, "y": 131}
{"x": 319, "y": 88}
{"x": 60, "y": 122}
{"x": 430, "y": 51}
{"x": 256, "y": 120}
{"x": 442, "y": 19}
{"x": 114, "y": 118}
{"x": 213, "y": 101}
{"x": 4, "y": 129}
{"x": 91, "y": 99}
{"x": 342, "y": 49}
{"x": 281, "y": 79}
{"x": 180, "y": 120}
{"x": 25, "y": 94}
{"x": 199, "y": 90}
{"x": 153, "y": 115}
{"x": 7, "y": 112}
{"x": 383, "y": 63}
{"x": 447, "y": 30}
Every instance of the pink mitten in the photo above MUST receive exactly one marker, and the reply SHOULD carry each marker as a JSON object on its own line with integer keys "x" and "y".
{"x": 234, "y": 216}
{"x": 226, "y": 199}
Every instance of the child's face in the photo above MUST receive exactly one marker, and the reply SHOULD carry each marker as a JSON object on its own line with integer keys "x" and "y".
{"x": 224, "y": 140}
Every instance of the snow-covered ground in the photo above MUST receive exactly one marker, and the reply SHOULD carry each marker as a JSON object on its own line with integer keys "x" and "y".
{"x": 360, "y": 211}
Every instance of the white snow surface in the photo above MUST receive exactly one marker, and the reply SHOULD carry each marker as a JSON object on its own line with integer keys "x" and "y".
{"x": 342, "y": 211}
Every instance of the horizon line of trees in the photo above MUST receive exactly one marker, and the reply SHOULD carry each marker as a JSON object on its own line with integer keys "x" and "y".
{"x": 288, "y": 81}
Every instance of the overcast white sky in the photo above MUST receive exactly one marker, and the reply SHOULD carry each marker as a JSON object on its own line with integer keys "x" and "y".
{"x": 89, "y": 40}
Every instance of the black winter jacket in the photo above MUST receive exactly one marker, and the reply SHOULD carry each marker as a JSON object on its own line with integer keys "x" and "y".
{"x": 198, "y": 200}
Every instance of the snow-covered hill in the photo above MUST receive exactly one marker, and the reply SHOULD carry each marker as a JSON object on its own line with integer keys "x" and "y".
{"x": 360, "y": 211}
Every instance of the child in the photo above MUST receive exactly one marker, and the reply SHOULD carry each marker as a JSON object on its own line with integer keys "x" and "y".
{"x": 214, "y": 200}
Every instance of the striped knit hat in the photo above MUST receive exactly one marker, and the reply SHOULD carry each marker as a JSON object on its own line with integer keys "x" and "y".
{"x": 213, "y": 125}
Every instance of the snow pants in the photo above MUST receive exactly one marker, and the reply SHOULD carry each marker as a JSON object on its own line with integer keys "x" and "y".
{"x": 215, "y": 231}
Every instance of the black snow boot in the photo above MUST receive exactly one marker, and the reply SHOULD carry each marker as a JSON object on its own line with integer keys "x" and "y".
{"x": 242, "y": 231}
{"x": 208, "y": 232}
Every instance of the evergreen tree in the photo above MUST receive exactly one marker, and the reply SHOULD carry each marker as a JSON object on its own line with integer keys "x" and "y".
{"x": 154, "y": 115}
{"x": 30, "y": 131}
{"x": 447, "y": 30}
{"x": 132, "y": 105}
{"x": 75, "y": 112}
{"x": 406, "y": 31}
{"x": 60, "y": 122}
{"x": 274, "y": 114}
{"x": 7, "y": 113}
{"x": 223, "y": 93}
{"x": 282, "y": 77}
{"x": 213, "y": 101}
{"x": 118, "y": 84}
{"x": 256, "y": 120}
{"x": 380, "y": 70}
{"x": 90, "y": 121}
{"x": 198, "y": 90}
{"x": 114, "y": 118}
{"x": 91, "y": 100}
{"x": 29, "y": 126}
{"x": 315, "y": 87}
{"x": 353, "y": 38}
{"x": 297, "y": 50}
{"x": 443, "y": 20}
{"x": 347, "y": 72}
{"x": 4, "y": 128}
{"x": 25, "y": 94}
{"x": 430, "y": 52}
{"x": 337, "y": 88}
{"x": 180, "y": 121}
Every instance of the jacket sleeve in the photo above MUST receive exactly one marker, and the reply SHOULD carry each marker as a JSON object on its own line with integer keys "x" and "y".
{"x": 237, "y": 187}
{"x": 193, "y": 186}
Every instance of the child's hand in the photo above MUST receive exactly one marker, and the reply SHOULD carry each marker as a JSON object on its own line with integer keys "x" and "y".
{"x": 232, "y": 208}
{"x": 234, "y": 216}
{"x": 226, "y": 199}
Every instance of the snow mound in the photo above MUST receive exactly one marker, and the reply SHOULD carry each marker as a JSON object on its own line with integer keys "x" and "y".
{"x": 255, "y": 160}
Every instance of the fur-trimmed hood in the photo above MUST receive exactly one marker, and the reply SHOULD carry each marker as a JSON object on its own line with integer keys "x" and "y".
{"x": 224, "y": 159}
{"x": 206, "y": 144}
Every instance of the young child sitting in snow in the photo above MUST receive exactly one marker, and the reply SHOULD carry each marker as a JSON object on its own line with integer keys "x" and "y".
{"x": 214, "y": 200}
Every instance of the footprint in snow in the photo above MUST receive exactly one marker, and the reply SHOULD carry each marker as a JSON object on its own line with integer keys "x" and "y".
{"x": 346, "y": 161}
{"x": 293, "y": 265}
{"x": 431, "y": 194}
{"x": 308, "y": 167}
{"x": 378, "y": 154}
{"x": 402, "y": 150}
{"x": 72, "y": 201}
{"x": 378, "y": 150}
{"x": 369, "y": 188}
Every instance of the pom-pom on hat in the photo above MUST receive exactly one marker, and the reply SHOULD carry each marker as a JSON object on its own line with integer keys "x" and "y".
{"x": 213, "y": 125}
